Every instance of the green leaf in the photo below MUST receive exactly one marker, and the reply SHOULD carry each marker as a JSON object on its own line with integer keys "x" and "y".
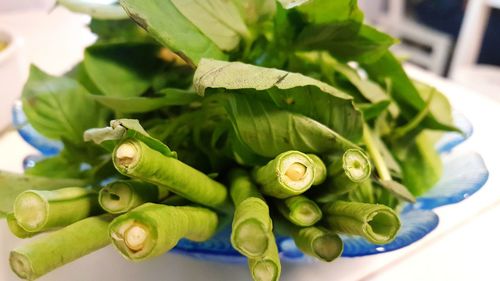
{"x": 327, "y": 11}
{"x": 55, "y": 167}
{"x": 126, "y": 128}
{"x": 373, "y": 110}
{"x": 118, "y": 31}
{"x": 219, "y": 20}
{"x": 167, "y": 25}
{"x": 344, "y": 41}
{"x": 388, "y": 68}
{"x": 59, "y": 107}
{"x": 289, "y": 91}
{"x": 439, "y": 107}
{"x": 145, "y": 104}
{"x": 420, "y": 163}
{"x": 12, "y": 185}
{"x": 398, "y": 190}
{"x": 122, "y": 69}
{"x": 268, "y": 131}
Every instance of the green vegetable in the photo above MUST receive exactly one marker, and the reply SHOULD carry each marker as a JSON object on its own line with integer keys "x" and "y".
{"x": 11, "y": 185}
{"x": 268, "y": 266}
{"x": 167, "y": 25}
{"x": 378, "y": 224}
{"x": 300, "y": 210}
{"x": 44, "y": 254}
{"x": 251, "y": 222}
{"x": 122, "y": 196}
{"x": 37, "y": 210}
{"x": 318, "y": 242}
{"x": 16, "y": 229}
{"x": 43, "y": 96}
{"x": 319, "y": 169}
{"x": 290, "y": 173}
{"x": 135, "y": 159}
{"x": 217, "y": 19}
{"x": 151, "y": 229}
{"x": 353, "y": 168}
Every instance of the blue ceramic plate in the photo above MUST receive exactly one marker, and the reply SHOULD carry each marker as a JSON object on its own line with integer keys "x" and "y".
{"x": 464, "y": 174}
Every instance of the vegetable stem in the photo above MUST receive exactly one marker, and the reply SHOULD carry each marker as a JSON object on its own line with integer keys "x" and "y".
{"x": 135, "y": 159}
{"x": 378, "y": 224}
{"x": 37, "y": 210}
{"x": 251, "y": 222}
{"x": 290, "y": 173}
{"x": 318, "y": 242}
{"x": 58, "y": 248}
{"x": 300, "y": 210}
{"x": 122, "y": 196}
{"x": 378, "y": 160}
{"x": 153, "y": 229}
{"x": 268, "y": 266}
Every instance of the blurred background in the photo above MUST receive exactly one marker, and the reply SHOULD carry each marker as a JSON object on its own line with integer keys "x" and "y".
{"x": 456, "y": 39}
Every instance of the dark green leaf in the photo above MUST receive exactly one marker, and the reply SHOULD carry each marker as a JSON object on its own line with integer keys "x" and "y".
{"x": 268, "y": 131}
{"x": 420, "y": 163}
{"x": 344, "y": 41}
{"x": 373, "y": 110}
{"x": 167, "y": 25}
{"x": 289, "y": 91}
{"x": 146, "y": 104}
{"x": 122, "y": 70}
{"x": 117, "y": 31}
{"x": 59, "y": 107}
{"x": 55, "y": 167}
{"x": 219, "y": 20}
{"x": 403, "y": 90}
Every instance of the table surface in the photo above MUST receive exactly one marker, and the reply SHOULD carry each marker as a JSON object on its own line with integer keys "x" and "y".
{"x": 462, "y": 247}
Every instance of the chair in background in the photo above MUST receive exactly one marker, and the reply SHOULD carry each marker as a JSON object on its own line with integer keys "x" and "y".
{"x": 423, "y": 46}
{"x": 464, "y": 69}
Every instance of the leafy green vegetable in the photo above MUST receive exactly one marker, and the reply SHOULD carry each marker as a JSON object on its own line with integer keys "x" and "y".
{"x": 167, "y": 25}
{"x": 117, "y": 31}
{"x": 290, "y": 91}
{"x": 122, "y": 69}
{"x": 366, "y": 46}
{"x": 219, "y": 20}
{"x": 59, "y": 107}
{"x": 124, "y": 104}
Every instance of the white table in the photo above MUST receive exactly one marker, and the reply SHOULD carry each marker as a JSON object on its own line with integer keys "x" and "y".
{"x": 461, "y": 248}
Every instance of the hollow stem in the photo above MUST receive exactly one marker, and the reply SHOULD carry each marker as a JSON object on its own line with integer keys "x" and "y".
{"x": 122, "y": 196}
{"x": 153, "y": 229}
{"x": 37, "y": 210}
{"x": 299, "y": 210}
{"x": 290, "y": 173}
{"x": 377, "y": 223}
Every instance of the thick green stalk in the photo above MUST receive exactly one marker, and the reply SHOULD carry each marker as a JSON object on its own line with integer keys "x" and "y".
{"x": 318, "y": 242}
{"x": 319, "y": 169}
{"x": 251, "y": 222}
{"x": 16, "y": 229}
{"x": 38, "y": 210}
{"x": 268, "y": 266}
{"x": 377, "y": 223}
{"x": 135, "y": 159}
{"x": 300, "y": 210}
{"x": 290, "y": 173}
{"x": 122, "y": 196}
{"x": 58, "y": 248}
{"x": 153, "y": 229}
{"x": 378, "y": 160}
